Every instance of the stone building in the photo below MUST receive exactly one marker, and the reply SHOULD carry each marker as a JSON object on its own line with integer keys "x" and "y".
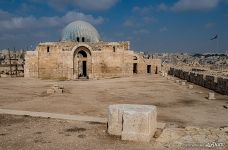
{"x": 82, "y": 54}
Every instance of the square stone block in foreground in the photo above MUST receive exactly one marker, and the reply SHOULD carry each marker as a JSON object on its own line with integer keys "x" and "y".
{"x": 132, "y": 122}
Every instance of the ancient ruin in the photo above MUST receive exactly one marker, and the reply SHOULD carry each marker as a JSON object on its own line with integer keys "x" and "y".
{"x": 82, "y": 54}
{"x": 113, "y": 75}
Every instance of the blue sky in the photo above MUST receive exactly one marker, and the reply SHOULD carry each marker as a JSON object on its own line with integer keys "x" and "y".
{"x": 150, "y": 25}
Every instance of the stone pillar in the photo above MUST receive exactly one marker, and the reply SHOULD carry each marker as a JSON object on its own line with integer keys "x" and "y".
{"x": 132, "y": 122}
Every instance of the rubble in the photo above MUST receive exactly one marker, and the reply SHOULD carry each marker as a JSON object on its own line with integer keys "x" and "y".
{"x": 56, "y": 88}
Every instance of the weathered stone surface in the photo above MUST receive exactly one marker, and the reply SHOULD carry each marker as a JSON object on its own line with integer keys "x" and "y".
{"x": 132, "y": 122}
{"x": 50, "y": 91}
{"x": 183, "y": 83}
{"x": 4, "y": 76}
{"x": 211, "y": 96}
{"x": 56, "y": 88}
{"x": 61, "y": 60}
{"x": 59, "y": 91}
{"x": 193, "y": 138}
{"x": 190, "y": 86}
{"x": 218, "y": 84}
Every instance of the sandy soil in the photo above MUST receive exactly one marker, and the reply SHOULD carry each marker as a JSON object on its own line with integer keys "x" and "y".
{"x": 177, "y": 105}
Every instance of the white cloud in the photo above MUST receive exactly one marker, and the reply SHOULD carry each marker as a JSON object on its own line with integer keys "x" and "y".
{"x": 191, "y": 5}
{"x": 4, "y": 15}
{"x": 142, "y": 10}
{"x": 84, "y": 4}
{"x": 31, "y": 22}
{"x": 96, "y": 4}
{"x": 28, "y": 30}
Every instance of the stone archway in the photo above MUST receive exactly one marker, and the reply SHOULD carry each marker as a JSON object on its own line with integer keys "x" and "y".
{"x": 82, "y": 63}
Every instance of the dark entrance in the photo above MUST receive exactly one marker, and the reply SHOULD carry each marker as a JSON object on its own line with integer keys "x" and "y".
{"x": 148, "y": 68}
{"x": 82, "y": 64}
{"x": 156, "y": 71}
{"x": 135, "y": 68}
{"x": 84, "y": 68}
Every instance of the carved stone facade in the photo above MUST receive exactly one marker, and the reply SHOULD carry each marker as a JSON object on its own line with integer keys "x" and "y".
{"x": 74, "y": 60}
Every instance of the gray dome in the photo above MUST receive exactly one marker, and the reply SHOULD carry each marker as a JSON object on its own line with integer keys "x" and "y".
{"x": 80, "y": 31}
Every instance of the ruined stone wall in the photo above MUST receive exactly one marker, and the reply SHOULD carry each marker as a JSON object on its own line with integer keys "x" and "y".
{"x": 217, "y": 84}
{"x": 144, "y": 62}
{"x": 31, "y": 65}
{"x": 56, "y": 60}
{"x": 11, "y": 63}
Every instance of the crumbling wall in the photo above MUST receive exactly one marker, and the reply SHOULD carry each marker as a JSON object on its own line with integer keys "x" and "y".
{"x": 11, "y": 63}
{"x": 31, "y": 65}
{"x": 218, "y": 84}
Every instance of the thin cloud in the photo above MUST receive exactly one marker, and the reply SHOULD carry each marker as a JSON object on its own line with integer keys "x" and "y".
{"x": 15, "y": 22}
{"x": 210, "y": 25}
{"x": 193, "y": 5}
{"x": 143, "y": 10}
{"x": 97, "y": 5}
{"x": 162, "y": 7}
{"x": 163, "y": 29}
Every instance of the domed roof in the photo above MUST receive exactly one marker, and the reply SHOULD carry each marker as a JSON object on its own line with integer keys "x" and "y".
{"x": 80, "y": 31}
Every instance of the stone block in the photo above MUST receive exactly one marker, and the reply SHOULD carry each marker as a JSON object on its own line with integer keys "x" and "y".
{"x": 211, "y": 96}
{"x": 55, "y": 85}
{"x": 50, "y": 91}
{"x": 190, "y": 86}
{"x": 56, "y": 88}
{"x": 177, "y": 81}
{"x": 132, "y": 122}
{"x": 115, "y": 119}
{"x": 59, "y": 91}
{"x": 183, "y": 83}
{"x": 4, "y": 76}
{"x": 61, "y": 87}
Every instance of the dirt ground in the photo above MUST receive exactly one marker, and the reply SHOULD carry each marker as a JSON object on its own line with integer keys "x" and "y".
{"x": 177, "y": 105}
{"x": 25, "y": 133}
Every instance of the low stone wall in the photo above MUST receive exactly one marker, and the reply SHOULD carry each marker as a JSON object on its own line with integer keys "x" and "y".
{"x": 217, "y": 84}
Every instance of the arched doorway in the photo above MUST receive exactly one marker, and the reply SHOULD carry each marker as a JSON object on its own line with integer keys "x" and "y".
{"x": 82, "y": 62}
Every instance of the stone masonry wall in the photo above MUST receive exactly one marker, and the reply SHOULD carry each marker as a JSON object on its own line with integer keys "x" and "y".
{"x": 217, "y": 84}
{"x": 58, "y": 60}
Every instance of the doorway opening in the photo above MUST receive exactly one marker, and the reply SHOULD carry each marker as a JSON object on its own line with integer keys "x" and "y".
{"x": 148, "y": 68}
{"x": 135, "y": 68}
{"x": 156, "y": 70}
{"x": 84, "y": 68}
